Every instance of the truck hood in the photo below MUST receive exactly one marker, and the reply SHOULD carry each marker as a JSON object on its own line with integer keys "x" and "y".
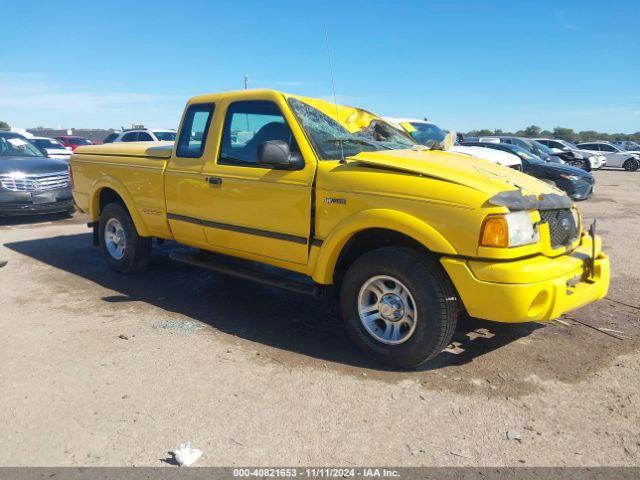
{"x": 32, "y": 165}
{"x": 489, "y": 178}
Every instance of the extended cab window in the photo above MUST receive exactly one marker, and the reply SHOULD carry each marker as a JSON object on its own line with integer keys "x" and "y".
{"x": 247, "y": 126}
{"x": 193, "y": 135}
{"x": 144, "y": 137}
{"x": 130, "y": 137}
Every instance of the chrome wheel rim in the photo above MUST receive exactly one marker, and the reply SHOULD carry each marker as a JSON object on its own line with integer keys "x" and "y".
{"x": 387, "y": 310}
{"x": 115, "y": 238}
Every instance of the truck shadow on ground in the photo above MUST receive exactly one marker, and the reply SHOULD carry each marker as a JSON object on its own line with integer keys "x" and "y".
{"x": 279, "y": 319}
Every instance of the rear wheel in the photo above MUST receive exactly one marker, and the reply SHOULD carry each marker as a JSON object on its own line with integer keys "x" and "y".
{"x": 124, "y": 250}
{"x": 399, "y": 306}
{"x": 631, "y": 164}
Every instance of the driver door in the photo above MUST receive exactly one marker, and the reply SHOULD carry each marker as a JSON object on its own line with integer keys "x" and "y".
{"x": 251, "y": 209}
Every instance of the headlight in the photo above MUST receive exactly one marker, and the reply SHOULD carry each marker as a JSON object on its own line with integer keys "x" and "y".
{"x": 508, "y": 230}
{"x": 573, "y": 178}
{"x": 576, "y": 217}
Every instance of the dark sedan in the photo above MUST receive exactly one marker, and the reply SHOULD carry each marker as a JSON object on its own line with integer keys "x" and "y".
{"x": 30, "y": 182}
{"x": 577, "y": 183}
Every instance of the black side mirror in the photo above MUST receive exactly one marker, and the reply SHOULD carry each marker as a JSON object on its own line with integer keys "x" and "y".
{"x": 276, "y": 153}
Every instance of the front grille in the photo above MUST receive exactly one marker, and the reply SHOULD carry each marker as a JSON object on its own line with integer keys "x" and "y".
{"x": 562, "y": 226}
{"x": 35, "y": 183}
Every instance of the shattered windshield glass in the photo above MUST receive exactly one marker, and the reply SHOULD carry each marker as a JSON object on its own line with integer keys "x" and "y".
{"x": 331, "y": 140}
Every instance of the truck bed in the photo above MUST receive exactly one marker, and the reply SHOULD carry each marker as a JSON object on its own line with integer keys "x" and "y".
{"x": 129, "y": 149}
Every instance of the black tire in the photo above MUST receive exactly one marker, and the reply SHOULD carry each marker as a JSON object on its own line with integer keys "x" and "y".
{"x": 433, "y": 293}
{"x": 631, "y": 164}
{"x": 137, "y": 251}
{"x": 586, "y": 165}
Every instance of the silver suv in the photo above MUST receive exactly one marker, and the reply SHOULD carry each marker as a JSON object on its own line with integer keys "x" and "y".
{"x": 141, "y": 135}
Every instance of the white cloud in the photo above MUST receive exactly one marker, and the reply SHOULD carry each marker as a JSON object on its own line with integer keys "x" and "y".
{"x": 29, "y": 101}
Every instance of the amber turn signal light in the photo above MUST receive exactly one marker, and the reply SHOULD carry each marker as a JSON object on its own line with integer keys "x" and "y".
{"x": 495, "y": 232}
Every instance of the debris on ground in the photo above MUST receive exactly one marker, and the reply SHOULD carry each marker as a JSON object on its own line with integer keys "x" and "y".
{"x": 513, "y": 435}
{"x": 123, "y": 337}
{"x": 185, "y": 455}
{"x": 179, "y": 326}
{"x": 458, "y": 454}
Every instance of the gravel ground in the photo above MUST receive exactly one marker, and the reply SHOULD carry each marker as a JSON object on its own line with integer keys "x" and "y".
{"x": 104, "y": 369}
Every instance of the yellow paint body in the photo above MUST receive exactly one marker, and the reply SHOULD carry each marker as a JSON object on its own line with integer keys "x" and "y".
{"x": 301, "y": 220}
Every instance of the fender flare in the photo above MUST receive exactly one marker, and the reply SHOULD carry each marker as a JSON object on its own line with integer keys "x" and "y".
{"x": 399, "y": 222}
{"x": 106, "y": 181}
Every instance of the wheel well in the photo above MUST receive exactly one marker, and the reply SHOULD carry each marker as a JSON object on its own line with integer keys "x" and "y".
{"x": 108, "y": 196}
{"x": 371, "y": 239}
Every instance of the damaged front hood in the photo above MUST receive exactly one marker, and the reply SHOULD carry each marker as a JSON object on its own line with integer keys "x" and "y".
{"x": 517, "y": 200}
{"x": 480, "y": 175}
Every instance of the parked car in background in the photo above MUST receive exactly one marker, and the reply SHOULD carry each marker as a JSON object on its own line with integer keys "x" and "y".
{"x": 627, "y": 145}
{"x": 575, "y": 182}
{"x": 426, "y": 133}
{"x": 616, "y": 157}
{"x": 73, "y": 141}
{"x": 141, "y": 135}
{"x": 52, "y": 148}
{"x": 30, "y": 182}
{"x": 531, "y": 146}
{"x": 572, "y": 155}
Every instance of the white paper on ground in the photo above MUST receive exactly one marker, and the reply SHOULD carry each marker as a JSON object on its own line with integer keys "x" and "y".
{"x": 185, "y": 455}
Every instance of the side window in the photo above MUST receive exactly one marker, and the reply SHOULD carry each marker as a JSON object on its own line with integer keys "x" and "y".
{"x": 130, "y": 137}
{"x": 555, "y": 145}
{"x": 607, "y": 148}
{"x": 144, "y": 137}
{"x": 247, "y": 126}
{"x": 110, "y": 138}
{"x": 195, "y": 127}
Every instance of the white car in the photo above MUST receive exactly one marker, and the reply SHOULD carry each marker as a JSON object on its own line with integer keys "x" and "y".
{"x": 494, "y": 156}
{"x": 142, "y": 135}
{"x": 616, "y": 157}
{"x": 425, "y": 133}
{"x": 52, "y": 147}
{"x": 595, "y": 160}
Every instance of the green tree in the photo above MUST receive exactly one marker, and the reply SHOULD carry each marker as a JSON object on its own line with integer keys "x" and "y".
{"x": 532, "y": 131}
{"x": 564, "y": 133}
{"x": 4, "y": 125}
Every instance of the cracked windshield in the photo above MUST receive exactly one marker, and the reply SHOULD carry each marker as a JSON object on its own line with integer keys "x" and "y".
{"x": 332, "y": 140}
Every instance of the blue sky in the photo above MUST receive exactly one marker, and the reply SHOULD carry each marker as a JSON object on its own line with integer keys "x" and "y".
{"x": 463, "y": 64}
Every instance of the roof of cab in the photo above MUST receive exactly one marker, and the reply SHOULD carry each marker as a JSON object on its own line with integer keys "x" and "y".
{"x": 212, "y": 97}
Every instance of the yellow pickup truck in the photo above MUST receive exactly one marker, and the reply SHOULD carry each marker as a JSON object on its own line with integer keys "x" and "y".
{"x": 409, "y": 237}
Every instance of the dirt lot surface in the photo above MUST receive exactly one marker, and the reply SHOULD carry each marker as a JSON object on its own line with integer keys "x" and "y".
{"x": 104, "y": 369}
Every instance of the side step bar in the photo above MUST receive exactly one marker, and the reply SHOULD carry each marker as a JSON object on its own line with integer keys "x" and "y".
{"x": 242, "y": 269}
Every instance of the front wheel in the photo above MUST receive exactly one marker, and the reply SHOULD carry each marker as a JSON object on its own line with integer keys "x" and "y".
{"x": 398, "y": 305}
{"x": 631, "y": 164}
{"x": 124, "y": 250}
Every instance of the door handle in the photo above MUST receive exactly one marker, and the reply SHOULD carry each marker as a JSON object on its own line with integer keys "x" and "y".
{"x": 214, "y": 180}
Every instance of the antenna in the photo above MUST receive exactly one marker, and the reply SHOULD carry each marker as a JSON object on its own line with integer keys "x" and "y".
{"x": 246, "y": 81}
{"x": 333, "y": 86}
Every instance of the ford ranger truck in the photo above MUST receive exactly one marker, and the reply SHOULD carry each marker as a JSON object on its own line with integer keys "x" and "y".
{"x": 408, "y": 237}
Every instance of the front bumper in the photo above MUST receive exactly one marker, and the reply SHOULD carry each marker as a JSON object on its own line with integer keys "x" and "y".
{"x": 34, "y": 203}
{"x": 532, "y": 289}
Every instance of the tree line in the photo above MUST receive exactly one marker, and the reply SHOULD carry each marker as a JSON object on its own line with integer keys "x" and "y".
{"x": 561, "y": 133}
{"x": 535, "y": 131}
